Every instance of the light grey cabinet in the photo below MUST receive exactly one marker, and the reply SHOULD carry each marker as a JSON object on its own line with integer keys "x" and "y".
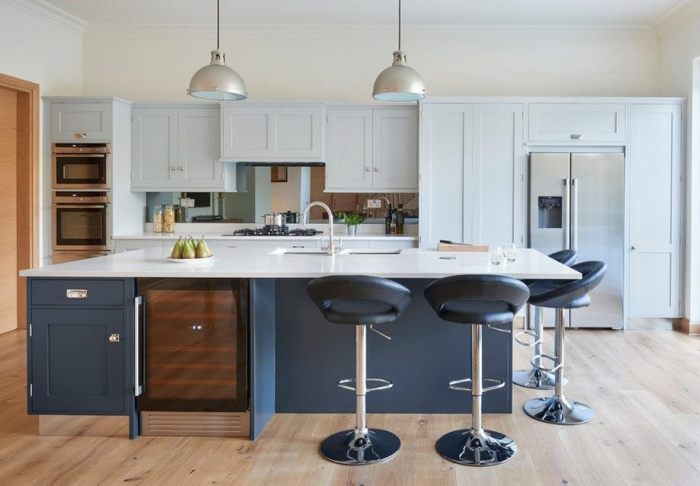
{"x": 272, "y": 133}
{"x": 177, "y": 149}
{"x": 655, "y": 165}
{"x": 577, "y": 123}
{"x": 76, "y": 122}
{"x": 372, "y": 149}
{"x": 472, "y": 165}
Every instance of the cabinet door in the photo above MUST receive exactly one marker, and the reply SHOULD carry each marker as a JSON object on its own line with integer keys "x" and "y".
{"x": 496, "y": 182}
{"x": 75, "y": 367}
{"x": 198, "y": 148}
{"x": 445, "y": 167}
{"x": 577, "y": 123}
{"x": 81, "y": 122}
{"x": 154, "y": 162}
{"x": 655, "y": 210}
{"x": 349, "y": 164}
{"x": 272, "y": 133}
{"x": 395, "y": 150}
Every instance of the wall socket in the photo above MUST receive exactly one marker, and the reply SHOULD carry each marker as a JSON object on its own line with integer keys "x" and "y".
{"x": 374, "y": 203}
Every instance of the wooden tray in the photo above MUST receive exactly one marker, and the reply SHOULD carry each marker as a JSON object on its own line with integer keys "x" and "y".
{"x": 462, "y": 247}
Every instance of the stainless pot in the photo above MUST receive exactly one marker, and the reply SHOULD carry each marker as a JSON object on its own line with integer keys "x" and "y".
{"x": 273, "y": 219}
{"x": 291, "y": 217}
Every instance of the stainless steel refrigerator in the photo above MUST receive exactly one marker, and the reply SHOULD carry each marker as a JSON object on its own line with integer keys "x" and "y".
{"x": 577, "y": 202}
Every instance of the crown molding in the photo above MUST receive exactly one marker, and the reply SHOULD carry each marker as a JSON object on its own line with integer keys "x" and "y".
{"x": 412, "y": 32}
{"x": 676, "y": 16}
{"x": 45, "y": 11}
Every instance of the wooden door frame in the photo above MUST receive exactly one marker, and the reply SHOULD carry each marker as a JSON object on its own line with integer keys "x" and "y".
{"x": 27, "y": 182}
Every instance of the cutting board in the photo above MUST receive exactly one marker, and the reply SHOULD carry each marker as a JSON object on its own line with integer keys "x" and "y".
{"x": 462, "y": 247}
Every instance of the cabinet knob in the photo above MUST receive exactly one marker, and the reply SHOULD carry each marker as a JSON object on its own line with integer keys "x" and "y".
{"x": 376, "y": 169}
{"x": 173, "y": 169}
{"x": 367, "y": 169}
{"x": 114, "y": 338}
{"x": 81, "y": 135}
{"x": 634, "y": 248}
{"x": 576, "y": 136}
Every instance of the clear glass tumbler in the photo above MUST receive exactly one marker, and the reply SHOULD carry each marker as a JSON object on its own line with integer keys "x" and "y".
{"x": 495, "y": 255}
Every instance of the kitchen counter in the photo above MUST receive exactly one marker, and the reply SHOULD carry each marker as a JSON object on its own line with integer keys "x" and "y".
{"x": 221, "y": 236}
{"x": 273, "y": 263}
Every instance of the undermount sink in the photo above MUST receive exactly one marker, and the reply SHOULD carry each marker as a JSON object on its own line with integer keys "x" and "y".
{"x": 371, "y": 251}
{"x": 300, "y": 251}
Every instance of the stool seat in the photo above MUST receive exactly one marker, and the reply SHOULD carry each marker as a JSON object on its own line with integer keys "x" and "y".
{"x": 359, "y": 299}
{"x": 569, "y": 294}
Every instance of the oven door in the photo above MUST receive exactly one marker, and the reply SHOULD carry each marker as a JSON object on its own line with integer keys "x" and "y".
{"x": 80, "y": 171}
{"x": 81, "y": 227}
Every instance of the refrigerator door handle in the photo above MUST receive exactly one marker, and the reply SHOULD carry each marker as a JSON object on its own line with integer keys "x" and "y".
{"x": 574, "y": 214}
{"x": 567, "y": 214}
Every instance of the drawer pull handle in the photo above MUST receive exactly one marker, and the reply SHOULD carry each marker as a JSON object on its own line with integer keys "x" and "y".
{"x": 114, "y": 338}
{"x": 76, "y": 293}
{"x": 576, "y": 136}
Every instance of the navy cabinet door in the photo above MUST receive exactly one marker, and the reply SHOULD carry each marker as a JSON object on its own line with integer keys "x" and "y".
{"x": 75, "y": 367}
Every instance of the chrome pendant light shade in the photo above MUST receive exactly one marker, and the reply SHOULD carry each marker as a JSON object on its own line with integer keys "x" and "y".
{"x": 399, "y": 82}
{"x": 216, "y": 81}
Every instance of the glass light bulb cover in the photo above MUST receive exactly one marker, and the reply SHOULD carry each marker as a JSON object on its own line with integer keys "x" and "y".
{"x": 399, "y": 82}
{"x": 216, "y": 81}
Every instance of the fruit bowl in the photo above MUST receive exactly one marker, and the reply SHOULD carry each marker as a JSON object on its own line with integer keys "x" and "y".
{"x": 191, "y": 261}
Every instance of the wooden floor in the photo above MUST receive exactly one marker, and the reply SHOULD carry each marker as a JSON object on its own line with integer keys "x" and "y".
{"x": 643, "y": 385}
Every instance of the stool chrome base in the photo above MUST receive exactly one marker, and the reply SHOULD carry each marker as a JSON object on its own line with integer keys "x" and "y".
{"x": 535, "y": 379}
{"x": 471, "y": 447}
{"x": 558, "y": 410}
{"x": 353, "y": 448}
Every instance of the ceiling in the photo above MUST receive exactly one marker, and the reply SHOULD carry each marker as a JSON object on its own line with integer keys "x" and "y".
{"x": 455, "y": 12}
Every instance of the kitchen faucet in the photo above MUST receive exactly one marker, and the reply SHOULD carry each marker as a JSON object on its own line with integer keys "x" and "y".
{"x": 331, "y": 245}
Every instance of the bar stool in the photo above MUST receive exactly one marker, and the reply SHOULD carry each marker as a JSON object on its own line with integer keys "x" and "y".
{"x": 535, "y": 377}
{"x": 557, "y": 409}
{"x": 360, "y": 301}
{"x": 477, "y": 300}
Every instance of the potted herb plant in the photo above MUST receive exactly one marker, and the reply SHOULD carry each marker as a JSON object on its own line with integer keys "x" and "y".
{"x": 351, "y": 220}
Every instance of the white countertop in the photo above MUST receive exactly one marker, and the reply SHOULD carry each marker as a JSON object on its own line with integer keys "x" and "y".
{"x": 220, "y": 236}
{"x": 271, "y": 263}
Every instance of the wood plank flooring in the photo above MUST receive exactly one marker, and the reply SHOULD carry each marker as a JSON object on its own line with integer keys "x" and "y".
{"x": 643, "y": 385}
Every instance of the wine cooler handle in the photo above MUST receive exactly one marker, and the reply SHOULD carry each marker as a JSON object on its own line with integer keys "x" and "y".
{"x": 138, "y": 302}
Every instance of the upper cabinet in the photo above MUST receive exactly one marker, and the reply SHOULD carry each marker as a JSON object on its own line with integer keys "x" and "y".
{"x": 472, "y": 166}
{"x": 177, "y": 149}
{"x": 76, "y": 122}
{"x": 272, "y": 133}
{"x": 372, "y": 149}
{"x": 574, "y": 123}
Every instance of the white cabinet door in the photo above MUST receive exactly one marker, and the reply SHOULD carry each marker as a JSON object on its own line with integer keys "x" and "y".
{"x": 198, "y": 148}
{"x": 267, "y": 133}
{"x": 655, "y": 210}
{"x": 577, "y": 123}
{"x": 395, "y": 150}
{"x": 349, "y": 162}
{"x": 496, "y": 181}
{"x": 445, "y": 167}
{"x": 88, "y": 122}
{"x": 154, "y": 159}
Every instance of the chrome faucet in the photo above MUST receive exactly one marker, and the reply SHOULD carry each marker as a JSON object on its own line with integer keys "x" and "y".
{"x": 331, "y": 244}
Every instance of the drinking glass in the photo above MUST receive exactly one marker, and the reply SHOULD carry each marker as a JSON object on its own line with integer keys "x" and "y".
{"x": 509, "y": 251}
{"x": 495, "y": 255}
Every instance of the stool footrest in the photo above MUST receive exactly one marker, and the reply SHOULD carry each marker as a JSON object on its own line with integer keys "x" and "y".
{"x": 547, "y": 357}
{"x": 456, "y": 385}
{"x": 348, "y": 384}
{"x": 519, "y": 339}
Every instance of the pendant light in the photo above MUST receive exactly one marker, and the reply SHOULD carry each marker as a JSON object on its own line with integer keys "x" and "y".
{"x": 216, "y": 81}
{"x": 399, "y": 82}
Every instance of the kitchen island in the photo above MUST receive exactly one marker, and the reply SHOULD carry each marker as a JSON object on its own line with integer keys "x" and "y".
{"x": 295, "y": 356}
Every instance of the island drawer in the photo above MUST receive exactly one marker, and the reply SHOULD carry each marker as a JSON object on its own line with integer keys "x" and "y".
{"x": 77, "y": 292}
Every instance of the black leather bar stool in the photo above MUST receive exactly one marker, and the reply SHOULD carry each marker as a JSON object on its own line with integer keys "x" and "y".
{"x": 563, "y": 295}
{"x": 360, "y": 301}
{"x": 536, "y": 377}
{"x": 477, "y": 300}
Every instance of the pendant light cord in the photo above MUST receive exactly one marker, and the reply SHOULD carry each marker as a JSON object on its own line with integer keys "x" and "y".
{"x": 399, "y": 24}
{"x": 217, "y": 25}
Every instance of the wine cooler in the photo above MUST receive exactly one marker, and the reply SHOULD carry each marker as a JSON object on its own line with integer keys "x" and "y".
{"x": 195, "y": 357}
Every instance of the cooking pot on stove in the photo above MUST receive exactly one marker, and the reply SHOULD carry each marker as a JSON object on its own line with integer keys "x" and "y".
{"x": 273, "y": 219}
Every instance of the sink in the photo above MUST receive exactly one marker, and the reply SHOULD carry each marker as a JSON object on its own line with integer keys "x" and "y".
{"x": 300, "y": 251}
{"x": 371, "y": 251}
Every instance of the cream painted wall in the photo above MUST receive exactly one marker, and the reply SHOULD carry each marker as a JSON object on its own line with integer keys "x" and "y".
{"x": 679, "y": 67}
{"x": 340, "y": 63}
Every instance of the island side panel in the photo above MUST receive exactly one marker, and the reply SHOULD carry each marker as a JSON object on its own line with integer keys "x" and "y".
{"x": 262, "y": 353}
{"x": 425, "y": 353}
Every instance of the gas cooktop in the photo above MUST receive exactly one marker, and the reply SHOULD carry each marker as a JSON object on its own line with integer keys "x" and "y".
{"x": 275, "y": 231}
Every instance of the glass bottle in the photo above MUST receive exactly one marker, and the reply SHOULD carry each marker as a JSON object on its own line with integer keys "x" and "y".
{"x": 400, "y": 218}
{"x": 168, "y": 219}
{"x": 158, "y": 218}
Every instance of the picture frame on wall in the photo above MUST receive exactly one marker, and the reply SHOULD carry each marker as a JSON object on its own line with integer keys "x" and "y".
{"x": 278, "y": 173}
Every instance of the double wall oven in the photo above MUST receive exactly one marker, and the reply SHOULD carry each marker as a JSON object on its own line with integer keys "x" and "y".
{"x": 80, "y": 200}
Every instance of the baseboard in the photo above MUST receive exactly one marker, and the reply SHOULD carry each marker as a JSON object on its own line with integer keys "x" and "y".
{"x": 193, "y": 424}
{"x": 84, "y": 425}
{"x": 685, "y": 326}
